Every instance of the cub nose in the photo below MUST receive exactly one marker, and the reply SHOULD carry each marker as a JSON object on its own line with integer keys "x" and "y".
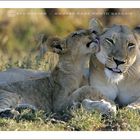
{"x": 118, "y": 62}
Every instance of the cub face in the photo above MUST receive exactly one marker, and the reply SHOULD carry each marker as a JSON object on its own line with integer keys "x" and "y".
{"x": 82, "y": 43}
{"x": 118, "y": 51}
{"x": 78, "y": 43}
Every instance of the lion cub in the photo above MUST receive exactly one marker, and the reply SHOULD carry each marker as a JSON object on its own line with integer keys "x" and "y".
{"x": 52, "y": 92}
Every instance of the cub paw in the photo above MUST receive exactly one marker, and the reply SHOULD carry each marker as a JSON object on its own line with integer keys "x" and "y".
{"x": 23, "y": 107}
{"x": 8, "y": 113}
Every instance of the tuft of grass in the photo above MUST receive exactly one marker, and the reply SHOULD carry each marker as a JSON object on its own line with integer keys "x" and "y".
{"x": 128, "y": 119}
{"x": 84, "y": 120}
{"x": 125, "y": 120}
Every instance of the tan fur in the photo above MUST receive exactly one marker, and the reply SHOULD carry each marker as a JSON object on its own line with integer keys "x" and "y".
{"x": 52, "y": 92}
{"x": 123, "y": 85}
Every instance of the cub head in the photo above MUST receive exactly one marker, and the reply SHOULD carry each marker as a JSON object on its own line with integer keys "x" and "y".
{"x": 118, "y": 51}
{"x": 78, "y": 43}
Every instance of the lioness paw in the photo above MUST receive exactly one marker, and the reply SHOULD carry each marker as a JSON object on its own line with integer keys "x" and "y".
{"x": 103, "y": 106}
{"x": 133, "y": 107}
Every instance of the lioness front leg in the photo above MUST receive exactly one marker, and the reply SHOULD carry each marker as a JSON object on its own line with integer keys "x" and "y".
{"x": 91, "y": 99}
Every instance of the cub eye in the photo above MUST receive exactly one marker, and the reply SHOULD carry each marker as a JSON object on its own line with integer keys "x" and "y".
{"x": 131, "y": 45}
{"x": 110, "y": 41}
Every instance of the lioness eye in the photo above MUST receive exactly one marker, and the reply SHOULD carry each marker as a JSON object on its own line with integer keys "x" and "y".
{"x": 110, "y": 41}
{"x": 131, "y": 45}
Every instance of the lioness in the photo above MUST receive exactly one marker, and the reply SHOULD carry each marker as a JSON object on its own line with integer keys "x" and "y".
{"x": 115, "y": 69}
{"x": 51, "y": 92}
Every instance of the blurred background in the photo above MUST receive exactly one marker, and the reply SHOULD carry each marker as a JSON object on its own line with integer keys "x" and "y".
{"x": 21, "y": 30}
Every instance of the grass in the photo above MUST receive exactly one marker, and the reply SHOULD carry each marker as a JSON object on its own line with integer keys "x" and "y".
{"x": 79, "y": 120}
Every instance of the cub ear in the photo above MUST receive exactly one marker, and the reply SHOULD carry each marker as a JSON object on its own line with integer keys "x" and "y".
{"x": 96, "y": 26}
{"x": 54, "y": 44}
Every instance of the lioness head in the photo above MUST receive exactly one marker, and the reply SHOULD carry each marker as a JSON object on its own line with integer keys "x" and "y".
{"x": 78, "y": 43}
{"x": 118, "y": 51}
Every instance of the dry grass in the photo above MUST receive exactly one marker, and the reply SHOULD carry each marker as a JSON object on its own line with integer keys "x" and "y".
{"x": 79, "y": 120}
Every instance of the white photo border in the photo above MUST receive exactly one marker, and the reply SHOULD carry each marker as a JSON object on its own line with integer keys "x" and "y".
{"x": 69, "y": 4}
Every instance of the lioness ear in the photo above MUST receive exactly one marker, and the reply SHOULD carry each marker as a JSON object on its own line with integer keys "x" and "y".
{"x": 54, "y": 44}
{"x": 96, "y": 26}
{"x": 137, "y": 30}
{"x": 137, "y": 36}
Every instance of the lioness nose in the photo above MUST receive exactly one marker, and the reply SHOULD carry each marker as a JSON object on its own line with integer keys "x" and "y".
{"x": 118, "y": 62}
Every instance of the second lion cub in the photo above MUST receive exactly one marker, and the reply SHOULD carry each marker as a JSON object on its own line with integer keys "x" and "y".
{"x": 52, "y": 92}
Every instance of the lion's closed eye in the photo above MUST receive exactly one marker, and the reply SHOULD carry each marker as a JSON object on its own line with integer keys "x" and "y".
{"x": 110, "y": 41}
{"x": 131, "y": 46}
